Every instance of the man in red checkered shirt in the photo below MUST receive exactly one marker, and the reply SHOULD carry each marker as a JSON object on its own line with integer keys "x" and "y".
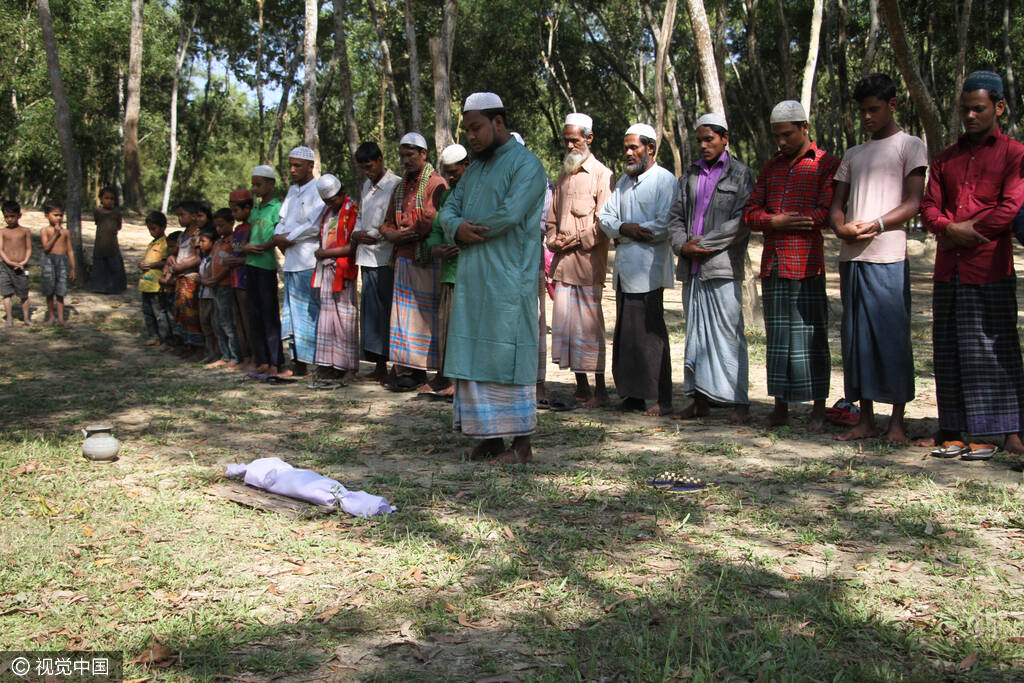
{"x": 790, "y": 204}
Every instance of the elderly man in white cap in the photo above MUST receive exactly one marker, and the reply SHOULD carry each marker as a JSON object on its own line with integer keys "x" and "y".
{"x": 580, "y": 261}
{"x": 454, "y": 161}
{"x": 492, "y": 215}
{"x": 790, "y": 205}
{"x": 410, "y": 217}
{"x": 261, "y": 274}
{"x": 298, "y": 235}
{"x": 708, "y": 233}
{"x": 337, "y": 330}
{"x": 636, "y": 217}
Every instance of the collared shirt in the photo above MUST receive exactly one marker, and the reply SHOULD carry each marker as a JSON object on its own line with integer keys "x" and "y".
{"x": 262, "y": 222}
{"x": 575, "y": 203}
{"x": 707, "y": 179}
{"x": 641, "y": 267}
{"x": 300, "y": 223}
{"x": 804, "y": 186}
{"x": 373, "y": 208}
{"x": 986, "y": 183}
{"x": 407, "y": 216}
{"x": 156, "y": 251}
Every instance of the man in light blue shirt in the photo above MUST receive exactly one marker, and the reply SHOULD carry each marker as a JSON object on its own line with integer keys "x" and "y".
{"x": 636, "y": 217}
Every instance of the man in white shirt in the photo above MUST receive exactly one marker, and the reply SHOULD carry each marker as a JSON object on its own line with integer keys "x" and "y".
{"x": 373, "y": 256}
{"x": 636, "y": 217}
{"x": 298, "y": 236}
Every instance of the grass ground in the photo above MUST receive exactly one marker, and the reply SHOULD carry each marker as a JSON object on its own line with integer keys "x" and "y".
{"x": 806, "y": 559}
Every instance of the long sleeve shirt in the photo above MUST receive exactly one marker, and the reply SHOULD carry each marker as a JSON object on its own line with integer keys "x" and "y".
{"x": 300, "y": 223}
{"x": 986, "y": 183}
{"x": 641, "y": 267}
{"x": 575, "y": 203}
{"x": 373, "y": 208}
{"x": 803, "y": 185}
{"x": 408, "y": 216}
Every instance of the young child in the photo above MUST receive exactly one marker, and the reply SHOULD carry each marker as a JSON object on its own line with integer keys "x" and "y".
{"x": 223, "y": 293}
{"x": 58, "y": 262}
{"x": 261, "y": 273}
{"x": 205, "y": 245}
{"x": 240, "y": 202}
{"x": 15, "y": 251}
{"x": 167, "y": 287}
{"x": 158, "y": 322}
{"x": 186, "y": 285}
{"x": 108, "y": 275}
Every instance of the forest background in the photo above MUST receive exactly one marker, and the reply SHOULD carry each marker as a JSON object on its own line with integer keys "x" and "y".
{"x": 179, "y": 99}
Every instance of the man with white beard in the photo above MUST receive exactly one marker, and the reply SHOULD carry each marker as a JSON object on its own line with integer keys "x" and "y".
{"x": 580, "y": 261}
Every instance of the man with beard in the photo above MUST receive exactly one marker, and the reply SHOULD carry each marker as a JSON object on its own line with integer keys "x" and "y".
{"x": 580, "y": 261}
{"x": 708, "y": 234}
{"x": 636, "y": 217}
{"x": 414, "y": 203}
{"x": 492, "y": 215}
{"x": 373, "y": 256}
{"x": 790, "y": 204}
{"x": 298, "y": 236}
{"x": 975, "y": 188}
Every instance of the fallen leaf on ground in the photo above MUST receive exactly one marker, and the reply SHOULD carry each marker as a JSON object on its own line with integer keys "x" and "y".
{"x": 272, "y": 588}
{"x": 414, "y": 574}
{"x": 326, "y": 615}
{"x": 968, "y": 662}
{"x": 156, "y": 654}
{"x": 464, "y": 621}
{"x": 406, "y": 629}
{"x": 508, "y": 533}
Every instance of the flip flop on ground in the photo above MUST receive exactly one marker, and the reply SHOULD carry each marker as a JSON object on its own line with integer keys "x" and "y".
{"x": 980, "y": 451}
{"x": 950, "y": 449}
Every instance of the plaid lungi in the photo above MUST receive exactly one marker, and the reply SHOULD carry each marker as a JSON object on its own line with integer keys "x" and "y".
{"x": 577, "y": 328}
{"x": 414, "y": 315}
{"x": 487, "y": 410}
{"x": 300, "y": 312}
{"x": 796, "y": 326}
{"x": 979, "y": 377}
{"x": 337, "y": 330}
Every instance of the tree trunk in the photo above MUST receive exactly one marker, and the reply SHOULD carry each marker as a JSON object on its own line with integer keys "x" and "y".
{"x": 762, "y": 142}
{"x": 133, "y": 197}
{"x": 663, "y": 39}
{"x": 259, "y": 78}
{"x": 923, "y": 100}
{"x": 785, "y": 59}
{"x": 846, "y": 115}
{"x": 179, "y": 61}
{"x": 441, "y": 62}
{"x": 713, "y": 99}
{"x": 311, "y": 124}
{"x": 345, "y": 83}
{"x": 389, "y": 75}
{"x": 872, "y": 46}
{"x": 961, "y": 66}
{"x": 807, "y": 85}
{"x": 72, "y": 161}
{"x": 414, "y": 67}
{"x": 1012, "y": 116}
{"x": 679, "y": 114}
{"x": 282, "y": 109}
{"x": 720, "y": 47}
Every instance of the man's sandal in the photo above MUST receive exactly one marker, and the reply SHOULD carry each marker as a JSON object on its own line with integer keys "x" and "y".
{"x": 950, "y": 449}
{"x": 980, "y": 451}
{"x": 676, "y": 483}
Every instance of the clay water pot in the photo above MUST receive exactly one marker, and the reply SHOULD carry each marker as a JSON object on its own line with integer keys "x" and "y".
{"x": 100, "y": 444}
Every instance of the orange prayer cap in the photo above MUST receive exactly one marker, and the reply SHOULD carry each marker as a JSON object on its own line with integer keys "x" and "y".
{"x": 239, "y": 196}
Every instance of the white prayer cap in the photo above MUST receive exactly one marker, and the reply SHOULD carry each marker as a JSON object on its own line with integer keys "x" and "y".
{"x": 788, "y": 110}
{"x": 328, "y": 186}
{"x": 580, "y": 121}
{"x": 712, "y": 119}
{"x": 302, "y": 152}
{"x": 643, "y": 130}
{"x": 518, "y": 138}
{"x": 453, "y": 154}
{"x": 413, "y": 140}
{"x": 264, "y": 171}
{"x": 479, "y": 101}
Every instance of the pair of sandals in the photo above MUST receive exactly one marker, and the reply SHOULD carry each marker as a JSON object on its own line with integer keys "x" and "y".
{"x": 965, "y": 451}
{"x": 676, "y": 483}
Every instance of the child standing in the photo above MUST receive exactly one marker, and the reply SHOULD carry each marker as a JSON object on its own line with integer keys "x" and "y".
{"x": 158, "y": 323}
{"x": 167, "y": 287}
{"x": 15, "y": 251}
{"x": 223, "y": 293}
{"x": 240, "y": 202}
{"x": 58, "y": 262}
{"x": 108, "y": 275}
{"x": 205, "y": 245}
{"x": 186, "y": 286}
{"x": 261, "y": 274}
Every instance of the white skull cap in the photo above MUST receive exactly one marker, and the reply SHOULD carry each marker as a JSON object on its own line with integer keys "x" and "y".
{"x": 579, "y": 120}
{"x": 480, "y": 101}
{"x": 413, "y": 140}
{"x": 264, "y": 171}
{"x": 712, "y": 119}
{"x": 643, "y": 130}
{"x": 788, "y": 110}
{"x": 453, "y": 154}
{"x": 518, "y": 138}
{"x": 328, "y": 186}
{"x": 302, "y": 152}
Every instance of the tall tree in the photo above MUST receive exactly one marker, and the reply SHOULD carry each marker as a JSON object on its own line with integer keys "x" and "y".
{"x": 311, "y": 124}
{"x": 259, "y": 77}
{"x": 961, "y": 67}
{"x": 414, "y": 67}
{"x": 72, "y": 160}
{"x": 389, "y": 74}
{"x": 345, "y": 83}
{"x": 184, "y": 39}
{"x": 785, "y": 58}
{"x": 807, "y": 85}
{"x": 1011, "y": 82}
{"x": 662, "y": 39}
{"x": 282, "y": 108}
{"x": 872, "y": 42}
{"x": 705, "y": 56}
{"x": 133, "y": 194}
{"x": 441, "y": 62}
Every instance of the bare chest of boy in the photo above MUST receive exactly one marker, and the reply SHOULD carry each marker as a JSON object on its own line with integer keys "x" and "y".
{"x": 14, "y": 242}
{"x": 61, "y": 246}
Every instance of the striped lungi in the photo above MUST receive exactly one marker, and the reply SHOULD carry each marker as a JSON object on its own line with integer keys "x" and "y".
{"x": 414, "y": 315}
{"x": 300, "y": 312}
{"x": 979, "y": 378}
{"x": 796, "y": 327}
{"x": 577, "y": 328}
{"x": 715, "y": 360}
{"x": 487, "y": 410}
{"x": 878, "y": 362}
{"x": 337, "y": 329}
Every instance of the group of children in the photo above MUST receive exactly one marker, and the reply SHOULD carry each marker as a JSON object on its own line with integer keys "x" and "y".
{"x": 57, "y": 265}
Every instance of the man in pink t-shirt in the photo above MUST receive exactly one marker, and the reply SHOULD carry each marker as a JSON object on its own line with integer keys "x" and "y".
{"x": 878, "y": 188}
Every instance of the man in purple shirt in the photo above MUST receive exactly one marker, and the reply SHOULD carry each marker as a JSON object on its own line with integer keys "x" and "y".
{"x": 708, "y": 234}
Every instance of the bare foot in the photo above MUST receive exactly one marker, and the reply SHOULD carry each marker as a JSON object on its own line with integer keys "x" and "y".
{"x": 216, "y": 364}
{"x": 739, "y": 416}
{"x": 582, "y": 395}
{"x": 152, "y": 341}
{"x": 1013, "y": 444}
{"x": 779, "y": 417}
{"x": 520, "y": 453}
{"x": 260, "y": 369}
{"x": 232, "y": 365}
{"x": 861, "y": 430}
{"x": 897, "y": 433}
{"x": 596, "y": 401}
{"x": 449, "y": 391}
{"x": 657, "y": 410}
{"x": 816, "y": 424}
{"x": 488, "y": 448}
{"x": 690, "y": 412}
{"x": 286, "y": 373}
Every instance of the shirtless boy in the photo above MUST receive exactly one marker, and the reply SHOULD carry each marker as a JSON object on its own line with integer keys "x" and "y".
{"x": 58, "y": 265}
{"x": 15, "y": 251}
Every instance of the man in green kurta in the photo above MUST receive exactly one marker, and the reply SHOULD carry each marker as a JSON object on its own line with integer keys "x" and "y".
{"x": 492, "y": 215}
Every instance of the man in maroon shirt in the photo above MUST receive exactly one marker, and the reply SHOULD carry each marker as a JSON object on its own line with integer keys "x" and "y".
{"x": 790, "y": 204}
{"x": 975, "y": 189}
